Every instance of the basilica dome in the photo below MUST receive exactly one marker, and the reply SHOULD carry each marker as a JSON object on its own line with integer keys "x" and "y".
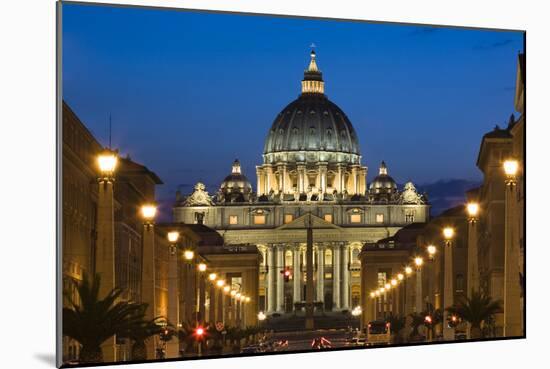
{"x": 235, "y": 187}
{"x": 312, "y": 128}
{"x": 383, "y": 183}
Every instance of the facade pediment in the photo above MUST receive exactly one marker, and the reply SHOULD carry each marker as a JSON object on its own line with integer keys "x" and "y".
{"x": 300, "y": 223}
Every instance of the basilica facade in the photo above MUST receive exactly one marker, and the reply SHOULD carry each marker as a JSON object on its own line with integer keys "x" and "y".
{"x": 312, "y": 168}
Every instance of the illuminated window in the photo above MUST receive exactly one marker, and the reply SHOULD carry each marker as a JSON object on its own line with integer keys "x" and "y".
{"x": 379, "y": 218}
{"x": 409, "y": 217}
{"x": 259, "y": 219}
{"x": 328, "y": 218}
{"x": 355, "y": 256}
{"x": 328, "y": 275}
{"x": 328, "y": 257}
{"x": 233, "y": 219}
{"x": 288, "y": 218}
{"x": 355, "y": 218}
{"x": 355, "y": 274}
{"x": 288, "y": 258}
{"x": 381, "y": 279}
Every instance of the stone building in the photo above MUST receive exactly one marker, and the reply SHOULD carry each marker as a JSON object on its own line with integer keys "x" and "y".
{"x": 135, "y": 185}
{"x": 312, "y": 164}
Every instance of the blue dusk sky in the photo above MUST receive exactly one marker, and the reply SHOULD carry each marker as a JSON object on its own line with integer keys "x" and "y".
{"x": 189, "y": 92}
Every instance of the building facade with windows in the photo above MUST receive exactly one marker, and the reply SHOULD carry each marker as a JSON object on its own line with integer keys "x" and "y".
{"x": 311, "y": 164}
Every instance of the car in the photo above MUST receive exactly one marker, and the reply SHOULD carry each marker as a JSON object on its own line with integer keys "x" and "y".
{"x": 320, "y": 343}
{"x": 356, "y": 341}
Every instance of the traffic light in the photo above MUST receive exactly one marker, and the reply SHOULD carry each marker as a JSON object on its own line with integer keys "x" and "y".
{"x": 199, "y": 332}
{"x": 286, "y": 274}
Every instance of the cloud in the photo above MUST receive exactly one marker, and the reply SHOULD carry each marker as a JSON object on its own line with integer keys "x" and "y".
{"x": 494, "y": 45}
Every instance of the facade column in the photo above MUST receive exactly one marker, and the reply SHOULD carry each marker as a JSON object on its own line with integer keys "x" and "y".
{"x": 268, "y": 180}
{"x": 284, "y": 180}
{"x": 212, "y": 303}
{"x": 271, "y": 275}
{"x": 148, "y": 281}
{"x": 105, "y": 253}
{"x": 320, "y": 273}
{"x": 259, "y": 181}
{"x": 512, "y": 295}
{"x": 301, "y": 179}
{"x": 220, "y": 308}
{"x": 323, "y": 173}
{"x": 354, "y": 180}
{"x": 280, "y": 278}
{"x": 345, "y": 276}
{"x": 296, "y": 275}
{"x": 336, "y": 276}
{"x": 339, "y": 180}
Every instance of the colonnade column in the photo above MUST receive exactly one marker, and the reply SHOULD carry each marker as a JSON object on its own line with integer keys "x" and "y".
{"x": 271, "y": 274}
{"x": 345, "y": 276}
{"x": 320, "y": 273}
{"x": 296, "y": 274}
{"x": 280, "y": 278}
{"x": 354, "y": 180}
{"x": 336, "y": 276}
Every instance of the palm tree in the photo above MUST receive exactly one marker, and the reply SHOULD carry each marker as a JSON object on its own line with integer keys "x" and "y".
{"x": 417, "y": 319}
{"x": 397, "y": 323}
{"x": 141, "y": 331}
{"x": 91, "y": 320}
{"x": 476, "y": 310}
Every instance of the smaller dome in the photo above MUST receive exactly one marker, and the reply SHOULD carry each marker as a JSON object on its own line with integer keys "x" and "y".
{"x": 235, "y": 187}
{"x": 383, "y": 183}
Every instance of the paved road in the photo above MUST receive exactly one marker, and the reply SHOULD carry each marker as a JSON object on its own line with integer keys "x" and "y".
{"x": 302, "y": 340}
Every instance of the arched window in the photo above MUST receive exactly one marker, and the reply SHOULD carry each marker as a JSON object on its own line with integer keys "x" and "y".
{"x": 459, "y": 283}
{"x": 288, "y": 258}
{"x": 328, "y": 257}
{"x": 355, "y": 255}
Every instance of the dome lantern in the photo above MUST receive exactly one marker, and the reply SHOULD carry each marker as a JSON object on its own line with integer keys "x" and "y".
{"x": 313, "y": 78}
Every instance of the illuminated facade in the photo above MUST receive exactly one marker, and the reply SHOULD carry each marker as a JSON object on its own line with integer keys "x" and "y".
{"x": 311, "y": 164}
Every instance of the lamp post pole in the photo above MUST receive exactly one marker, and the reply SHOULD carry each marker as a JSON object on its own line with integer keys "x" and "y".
{"x": 418, "y": 261}
{"x": 512, "y": 295}
{"x": 448, "y": 293}
{"x": 473, "y": 271}
{"x": 202, "y": 292}
{"x": 105, "y": 250}
{"x": 172, "y": 346}
{"x": 148, "y": 212}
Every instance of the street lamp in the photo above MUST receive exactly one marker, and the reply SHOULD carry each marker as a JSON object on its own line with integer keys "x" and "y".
{"x": 512, "y": 294}
{"x": 173, "y": 237}
{"x": 511, "y": 167}
{"x": 226, "y": 289}
{"x": 408, "y": 270}
{"x": 202, "y": 267}
{"x": 448, "y": 293}
{"x": 400, "y": 276}
{"x": 418, "y": 261}
{"x": 188, "y": 255}
{"x": 472, "y": 209}
{"x": 212, "y": 277}
{"x": 107, "y": 162}
{"x": 220, "y": 283}
{"x": 261, "y": 316}
{"x": 105, "y": 245}
{"x": 148, "y": 275}
{"x": 431, "y": 250}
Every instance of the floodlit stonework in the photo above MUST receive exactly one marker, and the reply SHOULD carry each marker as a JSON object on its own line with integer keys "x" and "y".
{"x": 312, "y": 164}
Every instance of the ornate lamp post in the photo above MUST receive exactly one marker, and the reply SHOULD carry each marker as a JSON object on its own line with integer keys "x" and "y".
{"x": 212, "y": 294}
{"x": 448, "y": 293}
{"x": 373, "y": 302}
{"x": 172, "y": 347}
{"x": 148, "y": 213}
{"x": 395, "y": 296}
{"x": 309, "y": 273}
{"x": 408, "y": 271}
{"x": 431, "y": 250}
{"x": 220, "y": 283}
{"x": 190, "y": 285}
{"x": 105, "y": 252}
{"x": 376, "y": 304}
{"x": 401, "y": 306}
{"x": 233, "y": 315}
{"x": 201, "y": 267}
{"x": 473, "y": 272}
{"x": 512, "y": 295}
{"x": 418, "y": 262}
